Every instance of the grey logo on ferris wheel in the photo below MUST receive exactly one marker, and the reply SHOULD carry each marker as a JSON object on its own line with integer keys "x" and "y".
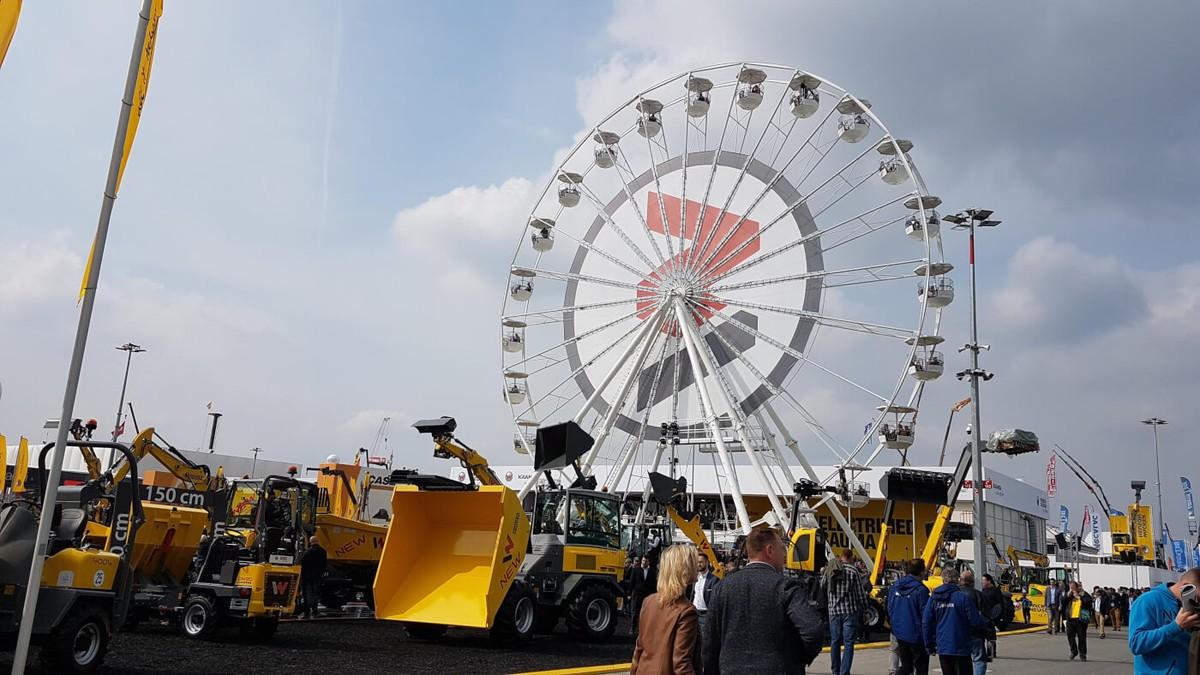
{"x": 734, "y": 335}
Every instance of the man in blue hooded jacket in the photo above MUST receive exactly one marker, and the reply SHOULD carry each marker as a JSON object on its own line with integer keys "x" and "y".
{"x": 1160, "y": 628}
{"x": 906, "y": 610}
{"x": 950, "y": 620}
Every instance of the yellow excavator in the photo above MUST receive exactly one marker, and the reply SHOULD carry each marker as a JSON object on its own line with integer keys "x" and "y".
{"x": 473, "y": 555}
{"x": 85, "y": 592}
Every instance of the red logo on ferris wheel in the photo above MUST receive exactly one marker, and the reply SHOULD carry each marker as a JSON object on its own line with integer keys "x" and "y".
{"x": 714, "y": 254}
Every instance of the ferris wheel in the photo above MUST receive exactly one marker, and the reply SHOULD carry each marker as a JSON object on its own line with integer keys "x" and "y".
{"x": 738, "y": 262}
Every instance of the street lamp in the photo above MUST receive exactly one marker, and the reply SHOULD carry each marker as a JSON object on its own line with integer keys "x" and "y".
{"x": 254, "y": 464}
{"x": 130, "y": 349}
{"x": 1156, "y": 422}
{"x": 969, "y": 220}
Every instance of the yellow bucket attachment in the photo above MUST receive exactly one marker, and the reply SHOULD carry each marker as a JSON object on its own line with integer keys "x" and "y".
{"x": 346, "y": 540}
{"x": 167, "y": 541}
{"x": 450, "y": 556}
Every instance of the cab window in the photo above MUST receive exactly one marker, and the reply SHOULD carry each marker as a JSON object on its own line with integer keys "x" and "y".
{"x": 594, "y": 521}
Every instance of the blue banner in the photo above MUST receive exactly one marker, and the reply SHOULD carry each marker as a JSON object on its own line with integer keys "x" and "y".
{"x": 1181, "y": 555}
{"x": 1064, "y": 518}
{"x": 1196, "y": 556}
{"x": 1191, "y": 504}
{"x": 1114, "y": 512}
{"x": 1096, "y": 529}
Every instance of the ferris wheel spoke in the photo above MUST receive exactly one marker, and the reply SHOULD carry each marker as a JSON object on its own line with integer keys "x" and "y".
{"x": 712, "y": 172}
{"x": 820, "y": 234}
{"x": 585, "y": 365}
{"x": 763, "y": 193}
{"x": 804, "y": 276}
{"x": 634, "y": 205}
{"x": 791, "y": 352}
{"x": 816, "y": 317}
{"x": 543, "y": 273}
{"x": 662, "y": 209}
{"x": 874, "y": 279}
{"x": 616, "y": 227}
{"x": 706, "y": 267}
{"x": 573, "y": 308}
{"x": 604, "y": 254}
{"x": 578, "y": 338}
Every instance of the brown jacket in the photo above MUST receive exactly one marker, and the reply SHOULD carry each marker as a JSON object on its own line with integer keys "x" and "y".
{"x": 668, "y": 639}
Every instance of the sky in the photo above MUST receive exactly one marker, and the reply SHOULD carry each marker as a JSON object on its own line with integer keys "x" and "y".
{"x": 315, "y": 226}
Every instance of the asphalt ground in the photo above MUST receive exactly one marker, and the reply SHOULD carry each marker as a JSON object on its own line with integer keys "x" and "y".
{"x": 368, "y": 646}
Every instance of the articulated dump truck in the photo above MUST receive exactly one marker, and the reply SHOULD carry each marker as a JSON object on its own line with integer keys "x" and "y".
{"x": 468, "y": 555}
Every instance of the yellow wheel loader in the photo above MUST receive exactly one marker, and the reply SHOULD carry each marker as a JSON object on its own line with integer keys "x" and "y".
{"x": 86, "y": 588}
{"x": 468, "y": 555}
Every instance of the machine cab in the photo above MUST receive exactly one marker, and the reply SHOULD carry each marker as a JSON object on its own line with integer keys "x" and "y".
{"x": 578, "y": 517}
{"x": 274, "y": 517}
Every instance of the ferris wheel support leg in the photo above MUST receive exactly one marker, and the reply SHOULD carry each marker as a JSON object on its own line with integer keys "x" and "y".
{"x": 693, "y": 338}
{"x": 790, "y": 442}
{"x": 711, "y": 418}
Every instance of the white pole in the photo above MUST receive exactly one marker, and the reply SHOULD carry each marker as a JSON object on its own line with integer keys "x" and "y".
{"x": 29, "y": 608}
{"x": 714, "y": 425}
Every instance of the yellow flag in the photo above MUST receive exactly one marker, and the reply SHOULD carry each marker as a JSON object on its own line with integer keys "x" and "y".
{"x": 21, "y": 469}
{"x": 140, "y": 88}
{"x": 9, "y": 11}
{"x": 3, "y": 462}
{"x": 142, "y": 85}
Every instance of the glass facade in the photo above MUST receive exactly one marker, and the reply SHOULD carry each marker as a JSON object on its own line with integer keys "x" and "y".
{"x": 1009, "y": 527}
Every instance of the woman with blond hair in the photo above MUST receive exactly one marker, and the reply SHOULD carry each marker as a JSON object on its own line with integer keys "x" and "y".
{"x": 668, "y": 639}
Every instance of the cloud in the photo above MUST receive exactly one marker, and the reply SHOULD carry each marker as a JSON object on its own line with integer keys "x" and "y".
{"x": 1055, "y": 291}
{"x": 466, "y": 214}
{"x": 36, "y": 270}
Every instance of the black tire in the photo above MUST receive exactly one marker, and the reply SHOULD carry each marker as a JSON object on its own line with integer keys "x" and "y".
{"x": 200, "y": 618}
{"x": 517, "y": 616}
{"x": 430, "y": 632}
{"x": 592, "y": 613}
{"x": 874, "y": 616}
{"x": 261, "y": 629}
{"x": 79, "y": 643}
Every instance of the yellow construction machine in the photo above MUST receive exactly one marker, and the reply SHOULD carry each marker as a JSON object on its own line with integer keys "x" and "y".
{"x": 353, "y": 543}
{"x": 86, "y": 587}
{"x": 670, "y": 493}
{"x": 473, "y": 555}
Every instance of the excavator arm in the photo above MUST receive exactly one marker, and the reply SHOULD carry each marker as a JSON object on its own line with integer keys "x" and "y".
{"x": 446, "y": 446}
{"x": 669, "y": 492}
{"x": 196, "y": 475}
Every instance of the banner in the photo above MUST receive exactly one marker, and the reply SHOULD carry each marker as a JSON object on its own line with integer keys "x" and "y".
{"x": 1096, "y": 529}
{"x": 1196, "y": 556}
{"x": 1191, "y": 504}
{"x": 21, "y": 468}
{"x": 1051, "y": 476}
{"x": 140, "y": 88}
{"x": 3, "y": 463}
{"x": 1179, "y": 548}
{"x": 9, "y": 11}
{"x": 1141, "y": 530}
{"x": 1064, "y": 518}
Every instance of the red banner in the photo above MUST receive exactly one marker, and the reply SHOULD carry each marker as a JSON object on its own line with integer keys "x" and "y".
{"x": 1051, "y": 477}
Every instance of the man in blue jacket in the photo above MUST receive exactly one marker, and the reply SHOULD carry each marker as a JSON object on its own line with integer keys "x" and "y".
{"x": 949, "y": 621}
{"x": 906, "y": 610}
{"x": 1160, "y": 628}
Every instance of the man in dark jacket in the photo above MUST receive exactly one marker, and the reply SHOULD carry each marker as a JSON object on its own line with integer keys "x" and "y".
{"x": 760, "y": 621}
{"x": 702, "y": 590}
{"x": 966, "y": 582}
{"x": 1076, "y": 609}
{"x": 906, "y": 607}
{"x": 950, "y": 619}
{"x": 645, "y": 584}
{"x": 312, "y": 572}
{"x": 995, "y": 608}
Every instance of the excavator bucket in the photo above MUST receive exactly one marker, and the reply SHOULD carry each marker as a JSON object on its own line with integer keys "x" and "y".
{"x": 450, "y": 554}
{"x": 665, "y": 489}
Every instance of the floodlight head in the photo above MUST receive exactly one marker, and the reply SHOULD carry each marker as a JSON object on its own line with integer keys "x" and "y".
{"x": 957, "y": 218}
{"x": 989, "y": 223}
{"x": 980, "y": 214}
{"x": 1154, "y": 421}
{"x": 438, "y": 427}
{"x": 1137, "y": 485}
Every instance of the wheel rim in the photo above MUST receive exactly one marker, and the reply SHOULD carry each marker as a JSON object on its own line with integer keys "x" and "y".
{"x": 599, "y": 615}
{"x": 195, "y": 619}
{"x": 523, "y": 615}
{"x": 86, "y": 645}
{"x": 872, "y": 616}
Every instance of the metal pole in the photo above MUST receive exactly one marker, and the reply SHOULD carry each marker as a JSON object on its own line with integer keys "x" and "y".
{"x": 129, "y": 348}
{"x": 980, "y": 533}
{"x": 29, "y": 608}
{"x": 1162, "y": 515}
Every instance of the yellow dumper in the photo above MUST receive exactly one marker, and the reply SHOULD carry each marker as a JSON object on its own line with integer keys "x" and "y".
{"x": 456, "y": 553}
{"x": 353, "y": 543}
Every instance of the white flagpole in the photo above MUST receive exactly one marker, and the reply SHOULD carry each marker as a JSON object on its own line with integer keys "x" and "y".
{"x": 50, "y": 489}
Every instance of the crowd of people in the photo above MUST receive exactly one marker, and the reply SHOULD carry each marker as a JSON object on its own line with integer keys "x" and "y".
{"x": 759, "y": 619}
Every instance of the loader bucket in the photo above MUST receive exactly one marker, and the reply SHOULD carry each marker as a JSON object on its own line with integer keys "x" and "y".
{"x": 665, "y": 489}
{"x": 450, "y": 555}
{"x": 920, "y": 487}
